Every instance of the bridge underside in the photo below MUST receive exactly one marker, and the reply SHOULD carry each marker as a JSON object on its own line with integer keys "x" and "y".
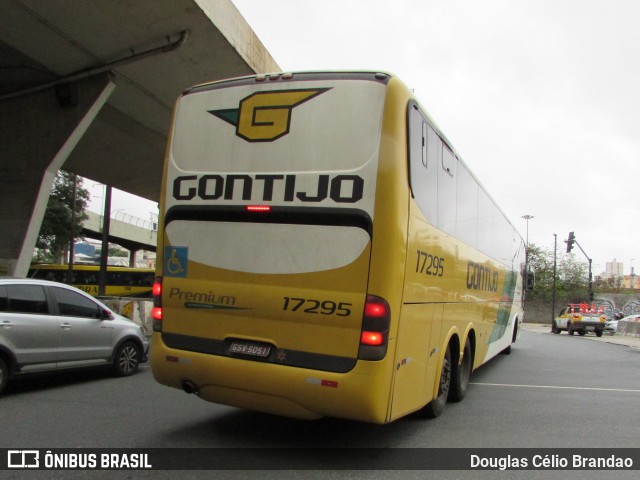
{"x": 90, "y": 86}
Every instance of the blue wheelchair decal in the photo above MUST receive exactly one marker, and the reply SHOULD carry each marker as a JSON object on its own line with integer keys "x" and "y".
{"x": 175, "y": 261}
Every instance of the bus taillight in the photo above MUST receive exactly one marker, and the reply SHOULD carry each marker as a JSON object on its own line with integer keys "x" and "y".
{"x": 156, "y": 312}
{"x": 156, "y": 290}
{"x": 258, "y": 208}
{"x": 372, "y": 338}
{"x": 375, "y": 329}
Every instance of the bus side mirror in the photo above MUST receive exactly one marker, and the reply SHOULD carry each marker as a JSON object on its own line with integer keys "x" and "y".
{"x": 531, "y": 280}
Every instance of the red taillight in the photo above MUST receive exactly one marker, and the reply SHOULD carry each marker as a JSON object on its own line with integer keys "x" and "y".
{"x": 372, "y": 338}
{"x": 375, "y": 329}
{"x": 156, "y": 312}
{"x": 375, "y": 309}
{"x": 258, "y": 208}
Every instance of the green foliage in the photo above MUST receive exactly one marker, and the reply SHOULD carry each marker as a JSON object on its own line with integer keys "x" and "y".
{"x": 57, "y": 229}
{"x": 572, "y": 276}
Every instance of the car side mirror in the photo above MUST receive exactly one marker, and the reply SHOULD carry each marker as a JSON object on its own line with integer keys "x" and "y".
{"x": 106, "y": 315}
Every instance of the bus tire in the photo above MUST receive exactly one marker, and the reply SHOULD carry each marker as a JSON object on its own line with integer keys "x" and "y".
{"x": 436, "y": 406}
{"x": 460, "y": 375}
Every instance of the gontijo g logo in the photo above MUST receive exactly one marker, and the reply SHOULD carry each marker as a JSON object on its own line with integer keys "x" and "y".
{"x": 266, "y": 116}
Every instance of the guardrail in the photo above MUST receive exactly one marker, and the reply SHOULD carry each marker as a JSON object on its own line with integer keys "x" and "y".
{"x": 629, "y": 328}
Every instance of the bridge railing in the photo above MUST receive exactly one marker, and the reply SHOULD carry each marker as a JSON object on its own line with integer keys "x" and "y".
{"x": 136, "y": 221}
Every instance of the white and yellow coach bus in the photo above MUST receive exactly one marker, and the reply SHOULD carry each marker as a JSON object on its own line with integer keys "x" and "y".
{"x": 323, "y": 251}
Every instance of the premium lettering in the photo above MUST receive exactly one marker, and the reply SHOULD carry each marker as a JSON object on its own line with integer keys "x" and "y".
{"x": 201, "y": 297}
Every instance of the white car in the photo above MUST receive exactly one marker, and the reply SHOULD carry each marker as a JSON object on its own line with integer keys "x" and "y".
{"x": 612, "y": 325}
{"x": 48, "y": 326}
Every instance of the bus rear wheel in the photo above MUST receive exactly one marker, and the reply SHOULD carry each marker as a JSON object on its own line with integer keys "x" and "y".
{"x": 460, "y": 375}
{"x": 434, "y": 408}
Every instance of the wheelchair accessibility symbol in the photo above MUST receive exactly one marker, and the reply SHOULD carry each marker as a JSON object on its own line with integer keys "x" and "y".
{"x": 175, "y": 263}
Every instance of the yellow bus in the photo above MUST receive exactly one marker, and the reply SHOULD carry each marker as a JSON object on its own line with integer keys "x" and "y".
{"x": 324, "y": 251}
{"x": 120, "y": 281}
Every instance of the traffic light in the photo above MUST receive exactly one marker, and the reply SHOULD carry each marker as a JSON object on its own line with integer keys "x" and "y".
{"x": 570, "y": 242}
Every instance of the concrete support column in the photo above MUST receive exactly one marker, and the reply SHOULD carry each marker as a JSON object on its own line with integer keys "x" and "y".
{"x": 37, "y": 134}
{"x": 132, "y": 257}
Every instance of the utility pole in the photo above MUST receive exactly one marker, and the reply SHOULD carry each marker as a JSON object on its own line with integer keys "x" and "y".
{"x": 526, "y": 251}
{"x": 553, "y": 298}
{"x": 570, "y": 242}
{"x": 104, "y": 254}
{"x": 72, "y": 240}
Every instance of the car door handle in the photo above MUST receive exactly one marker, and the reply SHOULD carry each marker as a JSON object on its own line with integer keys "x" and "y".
{"x": 6, "y": 324}
{"x": 65, "y": 326}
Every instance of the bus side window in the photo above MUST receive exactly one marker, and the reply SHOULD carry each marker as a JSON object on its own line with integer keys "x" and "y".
{"x": 447, "y": 191}
{"x": 422, "y": 158}
{"x": 424, "y": 143}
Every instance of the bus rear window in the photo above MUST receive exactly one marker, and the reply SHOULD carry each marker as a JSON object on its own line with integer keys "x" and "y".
{"x": 268, "y": 248}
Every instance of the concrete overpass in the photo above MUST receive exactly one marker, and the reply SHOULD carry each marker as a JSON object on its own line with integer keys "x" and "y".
{"x": 132, "y": 235}
{"x": 89, "y": 86}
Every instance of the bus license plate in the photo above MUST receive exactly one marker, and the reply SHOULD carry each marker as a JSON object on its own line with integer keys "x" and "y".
{"x": 250, "y": 348}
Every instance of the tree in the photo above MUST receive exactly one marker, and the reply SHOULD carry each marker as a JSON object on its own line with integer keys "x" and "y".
{"x": 572, "y": 278}
{"x": 57, "y": 230}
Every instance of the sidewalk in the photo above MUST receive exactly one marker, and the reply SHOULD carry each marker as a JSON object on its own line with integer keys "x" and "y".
{"x": 627, "y": 340}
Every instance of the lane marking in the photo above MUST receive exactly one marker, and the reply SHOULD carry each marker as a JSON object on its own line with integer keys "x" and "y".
{"x": 557, "y": 387}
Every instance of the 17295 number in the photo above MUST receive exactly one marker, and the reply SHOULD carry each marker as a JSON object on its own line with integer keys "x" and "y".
{"x": 321, "y": 307}
{"x": 429, "y": 264}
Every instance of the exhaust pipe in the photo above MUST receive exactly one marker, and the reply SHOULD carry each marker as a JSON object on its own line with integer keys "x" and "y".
{"x": 189, "y": 387}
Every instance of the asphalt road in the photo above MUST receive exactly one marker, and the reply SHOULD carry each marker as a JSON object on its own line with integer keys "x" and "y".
{"x": 553, "y": 391}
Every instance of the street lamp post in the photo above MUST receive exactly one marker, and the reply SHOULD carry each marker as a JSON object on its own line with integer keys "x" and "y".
{"x": 527, "y": 218}
{"x": 526, "y": 248}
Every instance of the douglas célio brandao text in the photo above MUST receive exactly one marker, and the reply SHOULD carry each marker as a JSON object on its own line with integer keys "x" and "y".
{"x": 533, "y": 462}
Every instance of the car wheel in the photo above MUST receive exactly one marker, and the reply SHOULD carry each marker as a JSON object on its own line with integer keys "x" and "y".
{"x": 554, "y": 328}
{"x": 4, "y": 374}
{"x": 569, "y": 329}
{"x": 598, "y": 333}
{"x": 460, "y": 375}
{"x": 436, "y": 406}
{"x": 127, "y": 359}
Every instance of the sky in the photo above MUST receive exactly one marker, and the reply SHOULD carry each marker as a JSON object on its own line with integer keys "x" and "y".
{"x": 539, "y": 97}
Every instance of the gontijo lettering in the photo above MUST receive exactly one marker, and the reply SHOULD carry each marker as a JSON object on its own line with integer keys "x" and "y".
{"x": 340, "y": 188}
{"x": 482, "y": 278}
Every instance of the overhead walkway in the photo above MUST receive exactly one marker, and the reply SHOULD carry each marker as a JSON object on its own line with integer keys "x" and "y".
{"x": 129, "y": 232}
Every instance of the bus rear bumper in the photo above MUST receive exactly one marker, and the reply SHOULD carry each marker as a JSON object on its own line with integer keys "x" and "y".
{"x": 361, "y": 394}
